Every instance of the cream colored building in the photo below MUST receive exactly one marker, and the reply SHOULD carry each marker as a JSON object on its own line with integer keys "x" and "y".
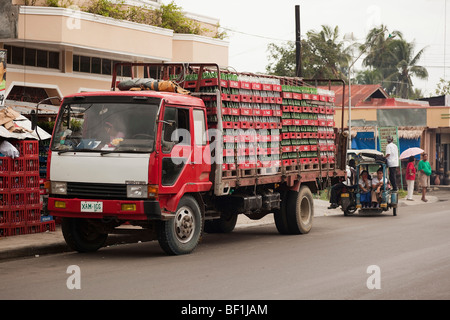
{"x": 56, "y": 51}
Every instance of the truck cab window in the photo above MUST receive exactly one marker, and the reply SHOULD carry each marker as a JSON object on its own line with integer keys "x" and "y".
{"x": 175, "y": 128}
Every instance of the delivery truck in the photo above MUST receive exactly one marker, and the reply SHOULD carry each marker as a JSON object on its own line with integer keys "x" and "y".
{"x": 184, "y": 148}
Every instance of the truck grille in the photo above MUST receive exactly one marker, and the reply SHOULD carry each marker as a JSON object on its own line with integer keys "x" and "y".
{"x": 96, "y": 190}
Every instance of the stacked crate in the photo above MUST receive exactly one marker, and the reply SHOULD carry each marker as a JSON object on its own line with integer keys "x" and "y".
{"x": 20, "y": 199}
{"x": 268, "y": 124}
{"x": 307, "y": 131}
{"x": 251, "y": 120}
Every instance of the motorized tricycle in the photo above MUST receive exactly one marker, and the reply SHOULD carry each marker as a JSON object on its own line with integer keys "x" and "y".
{"x": 386, "y": 199}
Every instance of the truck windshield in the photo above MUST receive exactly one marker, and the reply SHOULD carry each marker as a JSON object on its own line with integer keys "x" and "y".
{"x": 106, "y": 127}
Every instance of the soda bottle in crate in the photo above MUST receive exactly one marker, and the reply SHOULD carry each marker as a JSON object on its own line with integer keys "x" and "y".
{"x": 33, "y": 213}
{"x": 31, "y": 164}
{"x": 4, "y": 182}
{"x": 17, "y": 182}
{"x": 17, "y": 216}
{"x": 5, "y": 199}
{"x": 32, "y": 182}
{"x": 17, "y": 199}
{"x": 32, "y": 198}
{"x": 4, "y": 217}
{"x": 5, "y": 164}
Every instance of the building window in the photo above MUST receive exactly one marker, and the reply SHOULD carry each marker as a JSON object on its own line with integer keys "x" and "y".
{"x": 98, "y": 66}
{"x": 32, "y": 57}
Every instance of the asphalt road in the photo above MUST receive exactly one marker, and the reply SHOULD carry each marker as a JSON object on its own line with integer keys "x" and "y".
{"x": 360, "y": 257}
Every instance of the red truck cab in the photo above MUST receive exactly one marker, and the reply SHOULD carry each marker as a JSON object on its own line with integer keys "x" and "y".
{"x": 160, "y": 153}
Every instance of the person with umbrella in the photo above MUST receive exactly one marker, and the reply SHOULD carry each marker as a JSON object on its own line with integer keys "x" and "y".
{"x": 392, "y": 161}
{"x": 424, "y": 169}
{"x": 410, "y": 177}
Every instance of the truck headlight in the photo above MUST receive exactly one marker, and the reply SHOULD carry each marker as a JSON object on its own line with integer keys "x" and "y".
{"x": 58, "y": 188}
{"x": 137, "y": 191}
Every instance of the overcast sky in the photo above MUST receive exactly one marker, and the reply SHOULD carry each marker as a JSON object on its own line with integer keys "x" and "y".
{"x": 260, "y": 22}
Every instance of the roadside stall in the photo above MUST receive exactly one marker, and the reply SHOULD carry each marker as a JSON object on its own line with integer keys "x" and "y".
{"x": 21, "y": 186}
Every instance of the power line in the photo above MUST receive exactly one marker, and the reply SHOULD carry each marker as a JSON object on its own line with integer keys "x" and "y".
{"x": 256, "y": 35}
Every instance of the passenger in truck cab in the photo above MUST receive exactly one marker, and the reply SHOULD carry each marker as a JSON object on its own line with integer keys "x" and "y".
{"x": 113, "y": 133}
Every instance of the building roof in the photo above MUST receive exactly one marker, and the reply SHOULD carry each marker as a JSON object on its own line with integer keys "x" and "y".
{"x": 360, "y": 93}
{"x": 392, "y": 102}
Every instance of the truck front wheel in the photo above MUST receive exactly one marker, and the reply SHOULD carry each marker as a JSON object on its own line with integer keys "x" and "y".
{"x": 81, "y": 235}
{"x": 181, "y": 234}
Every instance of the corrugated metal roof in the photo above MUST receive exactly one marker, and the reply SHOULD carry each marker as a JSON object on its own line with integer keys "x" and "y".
{"x": 359, "y": 92}
{"x": 26, "y": 107}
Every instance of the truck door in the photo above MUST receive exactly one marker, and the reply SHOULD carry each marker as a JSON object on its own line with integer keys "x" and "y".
{"x": 176, "y": 150}
{"x": 201, "y": 156}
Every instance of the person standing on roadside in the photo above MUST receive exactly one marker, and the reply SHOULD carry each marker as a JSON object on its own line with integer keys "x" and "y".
{"x": 410, "y": 177}
{"x": 392, "y": 161}
{"x": 424, "y": 169}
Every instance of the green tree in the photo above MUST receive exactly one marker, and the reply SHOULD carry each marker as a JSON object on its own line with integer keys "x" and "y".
{"x": 330, "y": 50}
{"x": 406, "y": 67}
{"x": 171, "y": 17}
{"x": 323, "y": 54}
{"x": 282, "y": 59}
{"x": 393, "y": 59}
{"x": 368, "y": 76}
{"x": 443, "y": 87}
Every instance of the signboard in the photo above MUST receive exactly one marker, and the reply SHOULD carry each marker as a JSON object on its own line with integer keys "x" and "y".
{"x": 2, "y": 77}
{"x": 384, "y": 133}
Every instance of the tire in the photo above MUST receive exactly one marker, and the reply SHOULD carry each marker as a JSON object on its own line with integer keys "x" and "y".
{"x": 394, "y": 211}
{"x": 280, "y": 215}
{"x": 350, "y": 211}
{"x": 181, "y": 234}
{"x": 82, "y": 236}
{"x": 225, "y": 224}
{"x": 300, "y": 211}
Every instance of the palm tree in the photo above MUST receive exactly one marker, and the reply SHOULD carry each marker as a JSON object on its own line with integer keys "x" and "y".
{"x": 406, "y": 66}
{"x": 329, "y": 50}
{"x": 394, "y": 60}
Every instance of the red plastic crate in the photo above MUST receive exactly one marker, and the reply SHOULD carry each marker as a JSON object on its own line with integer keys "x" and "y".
{"x": 34, "y": 227}
{"x": 17, "y": 165}
{"x": 32, "y": 198}
{"x": 31, "y": 165}
{"x": 32, "y": 182}
{"x": 4, "y": 231}
{"x": 33, "y": 214}
{"x": 17, "y": 182}
{"x": 27, "y": 148}
{"x": 17, "y": 230}
{"x": 5, "y": 200}
{"x": 48, "y": 226}
{"x": 4, "y": 181}
{"x": 16, "y": 199}
{"x": 4, "y": 217}
{"x": 5, "y": 164}
{"x": 17, "y": 216}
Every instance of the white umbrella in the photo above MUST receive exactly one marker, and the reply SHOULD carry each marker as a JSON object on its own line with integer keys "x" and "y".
{"x": 411, "y": 152}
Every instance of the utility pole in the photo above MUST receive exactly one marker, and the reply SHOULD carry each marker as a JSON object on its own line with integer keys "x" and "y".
{"x": 298, "y": 42}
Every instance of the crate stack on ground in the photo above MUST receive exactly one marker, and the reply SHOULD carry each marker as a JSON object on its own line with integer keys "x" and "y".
{"x": 20, "y": 195}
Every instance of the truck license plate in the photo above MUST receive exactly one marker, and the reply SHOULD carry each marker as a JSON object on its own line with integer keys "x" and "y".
{"x": 91, "y": 206}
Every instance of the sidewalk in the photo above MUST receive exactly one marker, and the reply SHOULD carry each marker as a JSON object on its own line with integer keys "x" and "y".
{"x": 37, "y": 244}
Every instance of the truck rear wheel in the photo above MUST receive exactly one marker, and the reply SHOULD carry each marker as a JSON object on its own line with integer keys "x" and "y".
{"x": 181, "y": 234}
{"x": 280, "y": 215}
{"x": 300, "y": 211}
{"x": 81, "y": 235}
